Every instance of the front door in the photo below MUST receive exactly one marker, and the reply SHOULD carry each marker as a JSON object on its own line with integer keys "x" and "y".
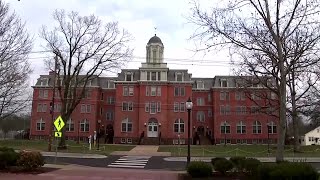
{"x": 152, "y": 129}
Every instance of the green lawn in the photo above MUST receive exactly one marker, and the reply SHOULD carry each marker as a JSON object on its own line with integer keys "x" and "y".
{"x": 239, "y": 150}
{"x": 73, "y": 147}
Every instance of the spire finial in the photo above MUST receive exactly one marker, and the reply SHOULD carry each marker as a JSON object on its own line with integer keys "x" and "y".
{"x": 155, "y": 31}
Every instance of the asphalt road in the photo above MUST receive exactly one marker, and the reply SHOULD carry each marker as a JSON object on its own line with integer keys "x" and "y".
{"x": 154, "y": 162}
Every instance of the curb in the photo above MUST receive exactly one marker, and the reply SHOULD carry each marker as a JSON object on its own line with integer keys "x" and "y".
{"x": 262, "y": 159}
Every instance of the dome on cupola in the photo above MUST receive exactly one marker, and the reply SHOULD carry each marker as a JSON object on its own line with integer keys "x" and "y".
{"x": 155, "y": 39}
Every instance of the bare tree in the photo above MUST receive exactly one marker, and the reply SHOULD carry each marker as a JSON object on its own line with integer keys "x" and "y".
{"x": 260, "y": 33}
{"x": 85, "y": 47}
{"x": 15, "y": 46}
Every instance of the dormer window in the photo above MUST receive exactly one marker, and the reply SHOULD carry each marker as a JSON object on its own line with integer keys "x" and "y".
{"x": 223, "y": 83}
{"x": 200, "y": 85}
{"x": 44, "y": 81}
{"x": 89, "y": 83}
{"x": 179, "y": 76}
{"x": 110, "y": 84}
{"x": 129, "y": 76}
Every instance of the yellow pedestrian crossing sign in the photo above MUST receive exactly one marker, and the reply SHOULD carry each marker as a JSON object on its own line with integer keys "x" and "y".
{"x": 58, "y": 123}
{"x": 57, "y": 134}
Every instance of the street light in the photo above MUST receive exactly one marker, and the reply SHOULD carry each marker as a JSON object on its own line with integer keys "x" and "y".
{"x": 98, "y": 135}
{"x": 189, "y": 105}
{"x": 269, "y": 127}
{"x": 225, "y": 133}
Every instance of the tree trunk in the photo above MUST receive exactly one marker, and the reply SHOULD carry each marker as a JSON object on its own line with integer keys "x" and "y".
{"x": 283, "y": 110}
{"x": 294, "y": 114}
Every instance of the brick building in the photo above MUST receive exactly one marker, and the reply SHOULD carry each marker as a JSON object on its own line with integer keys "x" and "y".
{"x": 147, "y": 106}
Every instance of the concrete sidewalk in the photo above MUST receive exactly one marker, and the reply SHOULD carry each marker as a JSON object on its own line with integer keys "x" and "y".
{"x": 90, "y": 173}
{"x": 74, "y": 155}
{"x": 142, "y": 150}
{"x": 262, "y": 159}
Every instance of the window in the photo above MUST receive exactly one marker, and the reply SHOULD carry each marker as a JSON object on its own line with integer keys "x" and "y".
{"x": 109, "y": 115}
{"x": 87, "y": 94}
{"x": 225, "y": 128}
{"x": 129, "y": 140}
{"x": 127, "y": 106}
{"x": 126, "y": 125}
{"x": 272, "y": 128}
{"x": 273, "y": 95}
{"x": 255, "y": 110}
{"x": 158, "y": 106}
{"x": 209, "y": 113}
{"x": 176, "y": 107}
{"x": 41, "y": 125}
{"x": 153, "y": 90}
{"x": 84, "y": 125}
{"x": 209, "y": 98}
{"x": 110, "y": 100}
{"x": 256, "y": 127}
{"x": 178, "y": 126}
{"x": 70, "y": 125}
{"x": 224, "y": 95}
{"x": 179, "y": 91}
{"x": 154, "y": 54}
{"x": 200, "y": 116}
{"x": 101, "y": 111}
{"x": 159, "y": 76}
{"x": 159, "y": 91}
{"x": 239, "y": 95}
{"x": 222, "y": 110}
{"x": 123, "y": 140}
{"x": 42, "y": 108}
{"x": 148, "y": 76}
{"x": 179, "y": 76}
{"x": 125, "y": 91}
{"x": 153, "y": 76}
{"x": 147, "y": 107}
{"x": 200, "y": 85}
{"x": 110, "y": 84}
{"x": 153, "y": 107}
{"x": 131, "y": 91}
{"x": 182, "y": 107}
{"x": 182, "y": 91}
{"x": 129, "y": 76}
{"x": 101, "y": 98}
{"x": 44, "y": 81}
{"x": 43, "y": 94}
{"x": 57, "y": 107}
{"x": 85, "y": 108}
{"x": 223, "y": 83}
{"x": 57, "y": 94}
{"x": 241, "y": 128}
{"x": 200, "y": 101}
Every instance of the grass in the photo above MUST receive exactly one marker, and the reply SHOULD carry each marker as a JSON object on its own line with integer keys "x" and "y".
{"x": 239, "y": 150}
{"x": 73, "y": 147}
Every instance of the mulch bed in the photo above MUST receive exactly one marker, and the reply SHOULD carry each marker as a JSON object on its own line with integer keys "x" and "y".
{"x": 18, "y": 170}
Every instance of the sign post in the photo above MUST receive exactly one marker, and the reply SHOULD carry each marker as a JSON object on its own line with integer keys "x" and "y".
{"x": 58, "y": 124}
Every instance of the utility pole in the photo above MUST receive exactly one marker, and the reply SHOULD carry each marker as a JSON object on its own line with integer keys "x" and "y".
{"x": 52, "y": 103}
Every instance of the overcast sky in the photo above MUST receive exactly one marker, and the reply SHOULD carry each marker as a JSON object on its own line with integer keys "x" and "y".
{"x": 139, "y": 17}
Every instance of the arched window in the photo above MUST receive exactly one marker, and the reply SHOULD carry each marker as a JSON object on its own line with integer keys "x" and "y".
{"x": 41, "y": 125}
{"x": 272, "y": 127}
{"x": 84, "y": 125}
{"x": 200, "y": 116}
{"x": 178, "y": 126}
{"x": 126, "y": 125}
{"x": 241, "y": 128}
{"x": 256, "y": 127}
{"x": 70, "y": 125}
{"x": 225, "y": 128}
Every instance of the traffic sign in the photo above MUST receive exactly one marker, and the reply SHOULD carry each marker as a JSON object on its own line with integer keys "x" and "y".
{"x": 57, "y": 134}
{"x": 58, "y": 123}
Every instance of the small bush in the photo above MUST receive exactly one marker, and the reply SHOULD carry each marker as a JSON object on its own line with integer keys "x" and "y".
{"x": 251, "y": 165}
{"x": 213, "y": 160}
{"x": 199, "y": 169}
{"x": 293, "y": 171}
{"x": 264, "y": 171}
{"x": 6, "y": 149}
{"x": 7, "y": 159}
{"x": 223, "y": 165}
{"x": 238, "y": 162}
{"x": 30, "y": 160}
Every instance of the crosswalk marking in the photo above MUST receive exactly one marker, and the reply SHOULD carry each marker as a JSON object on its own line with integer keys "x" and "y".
{"x": 131, "y": 162}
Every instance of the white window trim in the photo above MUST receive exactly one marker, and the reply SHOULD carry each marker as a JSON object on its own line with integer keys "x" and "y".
{"x": 126, "y": 75}
{"x": 182, "y": 76}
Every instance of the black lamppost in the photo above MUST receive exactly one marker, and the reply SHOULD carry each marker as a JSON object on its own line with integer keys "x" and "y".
{"x": 189, "y": 105}
{"x": 98, "y": 134}
{"x": 225, "y": 133}
{"x": 269, "y": 129}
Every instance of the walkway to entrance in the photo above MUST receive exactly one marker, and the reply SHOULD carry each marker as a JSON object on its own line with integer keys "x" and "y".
{"x": 143, "y": 150}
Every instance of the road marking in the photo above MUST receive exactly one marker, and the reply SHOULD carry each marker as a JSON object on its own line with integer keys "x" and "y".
{"x": 131, "y": 162}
